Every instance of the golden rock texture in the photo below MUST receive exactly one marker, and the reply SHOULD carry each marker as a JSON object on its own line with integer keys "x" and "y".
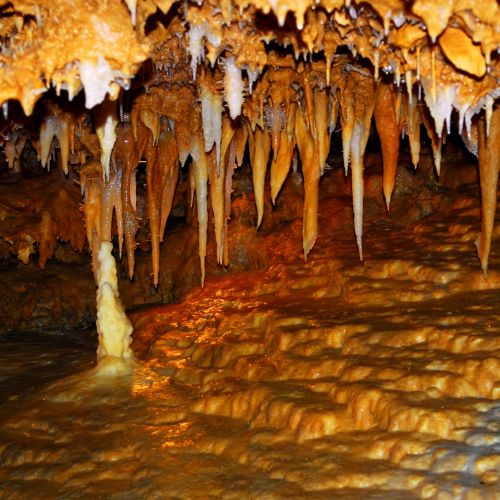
{"x": 201, "y": 79}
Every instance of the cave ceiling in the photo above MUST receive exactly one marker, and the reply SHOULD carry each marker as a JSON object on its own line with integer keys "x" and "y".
{"x": 101, "y": 85}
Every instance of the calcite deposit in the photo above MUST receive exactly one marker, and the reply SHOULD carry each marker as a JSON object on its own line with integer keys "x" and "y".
{"x": 170, "y": 82}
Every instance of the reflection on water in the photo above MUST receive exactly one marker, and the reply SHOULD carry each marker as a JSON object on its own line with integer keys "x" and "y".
{"x": 28, "y": 361}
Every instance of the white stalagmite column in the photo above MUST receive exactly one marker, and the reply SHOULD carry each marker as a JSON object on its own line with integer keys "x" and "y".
{"x": 113, "y": 326}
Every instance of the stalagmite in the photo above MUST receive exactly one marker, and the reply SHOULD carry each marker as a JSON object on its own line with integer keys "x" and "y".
{"x": 113, "y": 326}
{"x": 260, "y": 147}
{"x": 489, "y": 165}
{"x": 388, "y": 131}
{"x": 106, "y": 121}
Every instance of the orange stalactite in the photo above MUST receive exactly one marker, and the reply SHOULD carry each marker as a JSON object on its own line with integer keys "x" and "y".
{"x": 260, "y": 147}
{"x": 389, "y": 132}
{"x": 489, "y": 165}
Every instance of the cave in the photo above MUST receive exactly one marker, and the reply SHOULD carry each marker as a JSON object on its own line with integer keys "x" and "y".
{"x": 248, "y": 249}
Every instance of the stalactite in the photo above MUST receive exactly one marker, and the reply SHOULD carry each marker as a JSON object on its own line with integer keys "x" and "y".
{"x": 436, "y": 141}
{"x": 357, "y": 100}
{"x": 200, "y": 168}
{"x": 280, "y": 166}
{"x": 59, "y": 126}
{"x": 211, "y": 116}
{"x": 182, "y": 130}
{"x": 112, "y": 202}
{"x": 106, "y": 121}
{"x": 311, "y": 170}
{"x": 192, "y": 186}
{"x": 233, "y": 87}
{"x": 13, "y": 149}
{"x": 389, "y": 130}
{"x": 132, "y": 6}
{"x": 168, "y": 195}
{"x": 151, "y": 119}
{"x": 413, "y": 121}
{"x": 228, "y": 188}
{"x": 489, "y": 165}
{"x": 216, "y": 175}
{"x": 333, "y": 110}
{"x": 309, "y": 103}
{"x": 260, "y": 147}
{"x": 217, "y": 198}
{"x": 126, "y": 155}
{"x": 239, "y": 142}
{"x": 347, "y": 118}
{"x": 161, "y": 161}
{"x": 91, "y": 185}
{"x": 63, "y": 134}
{"x": 321, "y": 104}
{"x": 291, "y": 103}
{"x": 48, "y": 239}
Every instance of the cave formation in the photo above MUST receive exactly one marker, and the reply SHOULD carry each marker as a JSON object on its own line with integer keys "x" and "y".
{"x": 295, "y": 203}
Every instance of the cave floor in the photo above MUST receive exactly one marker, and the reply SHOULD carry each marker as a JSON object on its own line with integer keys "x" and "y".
{"x": 325, "y": 379}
